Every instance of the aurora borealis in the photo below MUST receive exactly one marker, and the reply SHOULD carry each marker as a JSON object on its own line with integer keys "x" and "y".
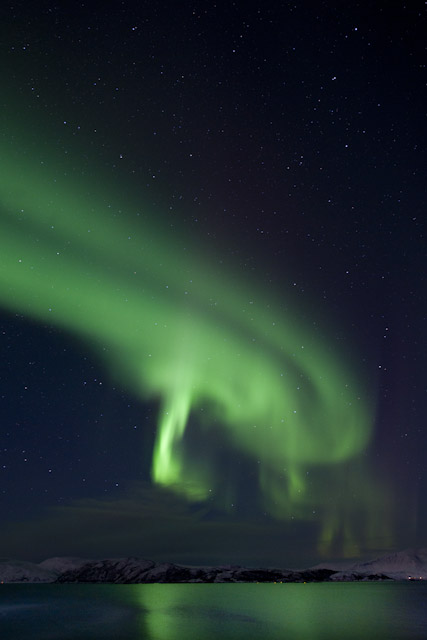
{"x": 269, "y": 383}
{"x": 237, "y": 301}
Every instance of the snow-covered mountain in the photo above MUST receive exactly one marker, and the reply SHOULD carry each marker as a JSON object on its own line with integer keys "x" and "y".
{"x": 60, "y": 565}
{"x": 18, "y": 571}
{"x": 402, "y": 565}
{"x": 136, "y": 570}
{"x": 398, "y": 566}
{"x": 46, "y": 571}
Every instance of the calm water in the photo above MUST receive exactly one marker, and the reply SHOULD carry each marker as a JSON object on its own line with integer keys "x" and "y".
{"x": 389, "y": 611}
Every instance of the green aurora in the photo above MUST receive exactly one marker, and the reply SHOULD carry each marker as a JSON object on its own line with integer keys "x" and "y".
{"x": 177, "y": 328}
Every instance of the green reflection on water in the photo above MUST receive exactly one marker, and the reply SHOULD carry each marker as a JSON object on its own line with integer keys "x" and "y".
{"x": 298, "y": 611}
{"x": 327, "y": 611}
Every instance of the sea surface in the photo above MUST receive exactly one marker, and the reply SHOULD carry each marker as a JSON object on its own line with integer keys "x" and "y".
{"x": 322, "y": 611}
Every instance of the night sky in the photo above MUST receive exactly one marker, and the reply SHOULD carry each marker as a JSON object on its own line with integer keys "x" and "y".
{"x": 212, "y": 280}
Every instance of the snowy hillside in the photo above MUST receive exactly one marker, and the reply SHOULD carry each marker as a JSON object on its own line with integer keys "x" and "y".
{"x": 136, "y": 570}
{"x": 410, "y": 564}
{"x": 18, "y": 571}
{"x": 60, "y": 565}
{"x": 402, "y": 565}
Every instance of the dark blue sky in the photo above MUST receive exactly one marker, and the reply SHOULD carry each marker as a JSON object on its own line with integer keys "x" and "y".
{"x": 290, "y": 139}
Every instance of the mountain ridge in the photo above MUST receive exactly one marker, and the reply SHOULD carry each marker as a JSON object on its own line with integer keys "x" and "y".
{"x": 402, "y": 565}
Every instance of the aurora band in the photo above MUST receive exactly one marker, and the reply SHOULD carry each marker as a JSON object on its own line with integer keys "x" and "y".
{"x": 178, "y": 328}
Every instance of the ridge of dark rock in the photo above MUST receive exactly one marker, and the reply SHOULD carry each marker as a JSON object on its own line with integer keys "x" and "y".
{"x": 135, "y": 570}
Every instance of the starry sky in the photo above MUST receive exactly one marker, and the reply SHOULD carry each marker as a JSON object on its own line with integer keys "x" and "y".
{"x": 212, "y": 280}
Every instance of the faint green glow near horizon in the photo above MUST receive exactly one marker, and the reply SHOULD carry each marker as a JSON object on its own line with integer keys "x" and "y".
{"x": 176, "y": 327}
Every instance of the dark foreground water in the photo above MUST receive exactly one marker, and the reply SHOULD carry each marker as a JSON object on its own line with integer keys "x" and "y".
{"x": 374, "y": 611}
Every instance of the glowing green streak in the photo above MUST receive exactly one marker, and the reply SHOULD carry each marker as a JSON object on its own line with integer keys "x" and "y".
{"x": 307, "y": 611}
{"x": 177, "y": 330}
